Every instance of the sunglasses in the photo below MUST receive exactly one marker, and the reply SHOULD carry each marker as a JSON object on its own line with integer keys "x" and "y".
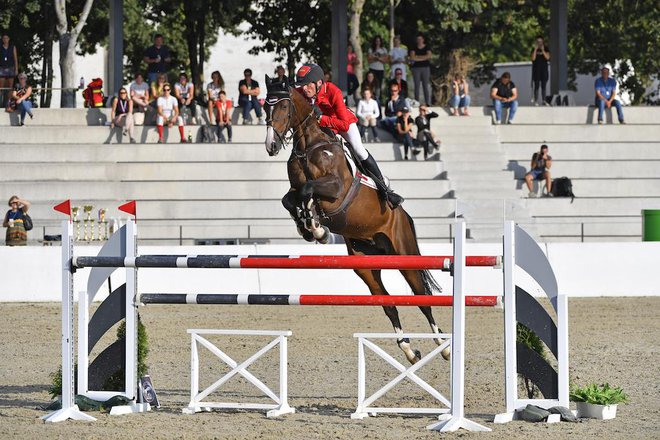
{"x": 167, "y": 90}
{"x": 122, "y": 93}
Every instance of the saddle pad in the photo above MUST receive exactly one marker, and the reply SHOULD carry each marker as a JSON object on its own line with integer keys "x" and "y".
{"x": 364, "y": 180}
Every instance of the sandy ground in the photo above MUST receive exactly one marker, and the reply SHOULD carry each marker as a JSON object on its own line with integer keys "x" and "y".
{"x": 614, "y": 340}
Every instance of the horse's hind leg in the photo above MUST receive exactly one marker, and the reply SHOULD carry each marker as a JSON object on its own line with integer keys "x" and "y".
{"x": 372, "y": 278}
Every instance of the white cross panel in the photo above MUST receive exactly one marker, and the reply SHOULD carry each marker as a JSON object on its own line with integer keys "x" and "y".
{"x": 197, "y": 404}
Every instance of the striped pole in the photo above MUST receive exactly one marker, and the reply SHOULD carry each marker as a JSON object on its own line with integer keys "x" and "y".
{"x": 313, "y": 300}
{"x": 401, "y": 262}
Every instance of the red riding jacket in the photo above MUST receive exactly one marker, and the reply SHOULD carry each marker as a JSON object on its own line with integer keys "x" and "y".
{"x": 336, "y": 115}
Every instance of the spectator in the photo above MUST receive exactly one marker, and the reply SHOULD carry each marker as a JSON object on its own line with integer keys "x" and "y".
{"x": 280, "y": 73}
{"x": 140, "y": 92}
{"x": 8, "y": 68}
{"x": 371, "y": 83}
{"x": 184, "y": 92}
{"x": 420, "y": 63}
{"x": 425, "y": 136}
{"x": 539, "y": 170}
{"x": 327, "y": 77}
{"x": 122, "y": 114}
{"x": 540, "y": 58}
{"x": 223, "y": 117}
{"x": 503, "y": 92}
{"x": 606, "y": 95}
{"x": 16, "y": 233}
{"x": 377, "y": 57}
{"x": 368, "y": 112}
{"x": 168, "y": 113}
{"x": 392, "y": 110}
{"x": 157, "y": 58}
{"x": 248, "y": 92}
{"x": 213, "y": 90}
{"x": 351, "y": 65}
{"x": 20, "y": 98}
{"x": 400, "y": 82}
{"x": 398, "y": 58}
{"x": 404, "y": 126}
{"x": 157, "y": 87}
{"x": 460, "y": 99}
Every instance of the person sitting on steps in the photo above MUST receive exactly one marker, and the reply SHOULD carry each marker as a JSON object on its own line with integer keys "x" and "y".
{"x": 331, "y": 111}
{"x": 539, "y": 170}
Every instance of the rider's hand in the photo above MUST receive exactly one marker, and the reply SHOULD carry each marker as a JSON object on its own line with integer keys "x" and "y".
{"x": 317, "y": 112}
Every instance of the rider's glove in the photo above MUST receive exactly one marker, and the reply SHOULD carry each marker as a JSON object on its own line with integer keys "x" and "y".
{"x": 317, "y": 112}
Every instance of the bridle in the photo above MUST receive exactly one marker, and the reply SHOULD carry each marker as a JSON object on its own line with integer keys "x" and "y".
{"x": 272, "y": 99}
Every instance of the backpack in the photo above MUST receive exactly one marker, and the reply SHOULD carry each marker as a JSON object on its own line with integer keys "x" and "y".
{"x": 93, "y": 94}
{"x": 207, "y": 134}
{"x": 562, "y": 187}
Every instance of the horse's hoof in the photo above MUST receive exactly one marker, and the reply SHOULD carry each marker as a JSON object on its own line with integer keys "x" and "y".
{"x": 418, "y": 356}
{"x": 446, "y": 353}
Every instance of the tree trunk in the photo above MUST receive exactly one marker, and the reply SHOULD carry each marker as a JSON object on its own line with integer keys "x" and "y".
{"x": 191, "y": 42}
{"x": 354, "y": 38}
{"x": 68, "y": 97}
{"x": 201, "y": 37}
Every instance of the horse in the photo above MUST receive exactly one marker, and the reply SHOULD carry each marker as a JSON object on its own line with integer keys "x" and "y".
{"x": 326, "y": 197}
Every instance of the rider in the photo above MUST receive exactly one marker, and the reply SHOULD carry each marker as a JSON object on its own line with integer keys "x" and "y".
{"x": 330, "y": 110}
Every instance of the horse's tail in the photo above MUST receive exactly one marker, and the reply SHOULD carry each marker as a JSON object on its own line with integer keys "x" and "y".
{"x": 430, "y": 283}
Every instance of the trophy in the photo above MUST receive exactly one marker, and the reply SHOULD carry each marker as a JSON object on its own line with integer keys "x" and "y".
{"x": 103, "y": 225}
{"x": 76, "y": 221}
{"x": 88, "y": 230}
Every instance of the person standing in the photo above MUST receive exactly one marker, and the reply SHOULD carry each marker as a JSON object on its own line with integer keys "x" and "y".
{"x": 158, "y": 58}
{"x": 20, "y": 98}
{"x": 398, "y": 58}
{"x": 8, "y": 68}
{"x": 168, "y": 113}
{"x": 377, "y": 57}
{"x": 460, "y": 100}
{"x": 540, "y": 58}
{"x": 248, "y": 97}
{"x": 539, "y": 170}
{"x": 503, "y": 92}
{"x": 122, "y": 114}
{"x": 606, "y": 95}
{"x": 14, "y": 222}
{"x": 420, "y": 61}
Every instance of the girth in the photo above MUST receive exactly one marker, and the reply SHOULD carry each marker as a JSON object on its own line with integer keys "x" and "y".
{"x": 351, "y": 194}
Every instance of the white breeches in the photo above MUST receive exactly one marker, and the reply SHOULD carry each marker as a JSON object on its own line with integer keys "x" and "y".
{"x": 161, "y": 121}
{"x": 353, "y": 136}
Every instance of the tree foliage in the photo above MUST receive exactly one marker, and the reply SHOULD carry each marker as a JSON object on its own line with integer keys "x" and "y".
{"x": 292, "y": 29}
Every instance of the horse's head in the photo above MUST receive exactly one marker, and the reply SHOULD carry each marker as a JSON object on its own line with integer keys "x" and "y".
{"x": 279, "y": 111}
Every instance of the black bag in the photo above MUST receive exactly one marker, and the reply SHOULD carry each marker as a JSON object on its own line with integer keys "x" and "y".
{"x": 208, "y": 135}
{"x": 27, "y": 222}
{"x": 562, "y": 187}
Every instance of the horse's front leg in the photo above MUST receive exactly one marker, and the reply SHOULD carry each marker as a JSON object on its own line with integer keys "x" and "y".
{"x": 326, "y": 187}
{"x": 290, "y": 201}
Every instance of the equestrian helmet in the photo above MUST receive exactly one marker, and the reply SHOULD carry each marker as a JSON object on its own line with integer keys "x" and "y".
{"x": 309, "y": 73}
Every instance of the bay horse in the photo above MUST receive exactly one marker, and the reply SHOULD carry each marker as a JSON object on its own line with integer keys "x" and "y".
{"x": 326, "y": 197}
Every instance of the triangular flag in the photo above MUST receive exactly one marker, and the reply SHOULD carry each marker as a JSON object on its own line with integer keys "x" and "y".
{"x": 129, "y": 208}
{"x": 64, "y": 207}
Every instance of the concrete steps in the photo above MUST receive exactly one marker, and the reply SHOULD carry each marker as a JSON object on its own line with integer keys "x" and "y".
{"x": 630, "y": 150}
{"x": 549, "y": 134}
{"x": 595, "y": 169}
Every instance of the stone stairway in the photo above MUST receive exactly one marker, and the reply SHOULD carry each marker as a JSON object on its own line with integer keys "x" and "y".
{"x": 476, "y": 166}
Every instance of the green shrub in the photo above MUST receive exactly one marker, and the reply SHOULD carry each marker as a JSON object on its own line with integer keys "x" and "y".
{"x": 531, "y": 340}
{"x": 598, "y": 395}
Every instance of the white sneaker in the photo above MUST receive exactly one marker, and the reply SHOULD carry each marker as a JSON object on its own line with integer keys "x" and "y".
{"x": 509, "y": 122}
{"x": 497, "y": 122}
{"x": 531, "y": 195}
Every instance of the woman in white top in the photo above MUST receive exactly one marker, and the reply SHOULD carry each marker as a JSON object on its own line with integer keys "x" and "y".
{"x": 168, "y": 112}
{"x": 377, "y": 58}
{"x": 398, "y": 58}
{"x": 184, "y": 92}
{"x": 213, "y": 90}
{"x": 368, "y": 112}
{"x": 140, "y": 92}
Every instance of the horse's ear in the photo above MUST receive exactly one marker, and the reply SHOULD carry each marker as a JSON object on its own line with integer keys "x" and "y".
{"x": 267, "y": 79}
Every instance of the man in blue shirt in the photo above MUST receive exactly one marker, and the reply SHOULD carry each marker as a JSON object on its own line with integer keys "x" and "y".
{"x": 606, "y": 95}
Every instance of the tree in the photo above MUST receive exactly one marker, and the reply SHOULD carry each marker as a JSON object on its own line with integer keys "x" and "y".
{"x": 68, "y": 39}
{"x": 354, "y": 23}
{"x": 292, "y": 29}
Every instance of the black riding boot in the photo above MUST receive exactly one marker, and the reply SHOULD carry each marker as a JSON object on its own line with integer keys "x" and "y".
{"x": 371, "y": 166}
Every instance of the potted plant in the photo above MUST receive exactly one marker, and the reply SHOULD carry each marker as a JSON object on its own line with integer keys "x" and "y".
{"x": 598, "y": 402}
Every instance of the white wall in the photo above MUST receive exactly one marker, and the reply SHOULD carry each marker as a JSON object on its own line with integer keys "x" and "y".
{"x": 583, "y": 270}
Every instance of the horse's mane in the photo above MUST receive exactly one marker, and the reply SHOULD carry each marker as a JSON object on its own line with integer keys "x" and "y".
{"x": 306, "y": 108}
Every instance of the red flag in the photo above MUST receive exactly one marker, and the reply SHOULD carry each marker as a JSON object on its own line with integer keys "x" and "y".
{"x": 64, "y": 207}
{"x": 129, "y": 208}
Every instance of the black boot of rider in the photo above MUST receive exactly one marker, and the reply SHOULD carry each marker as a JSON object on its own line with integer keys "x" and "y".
{"x": 372, "y": 167}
